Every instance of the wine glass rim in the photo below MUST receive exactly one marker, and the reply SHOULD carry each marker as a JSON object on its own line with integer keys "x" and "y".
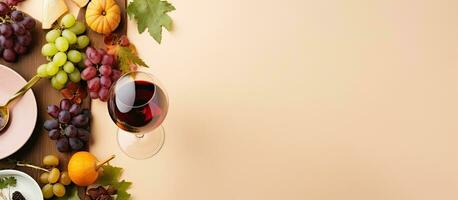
{"x": 154, "y": 84}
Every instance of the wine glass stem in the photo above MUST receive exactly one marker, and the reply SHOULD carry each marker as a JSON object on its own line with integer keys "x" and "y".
{"x": 140, "y": 136}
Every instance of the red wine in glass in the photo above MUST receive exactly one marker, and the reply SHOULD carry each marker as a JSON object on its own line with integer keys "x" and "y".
{"x": 143, "y": 108}
{"x": 138, "y": 106}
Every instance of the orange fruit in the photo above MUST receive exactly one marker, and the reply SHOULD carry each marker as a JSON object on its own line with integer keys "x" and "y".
{"x": 103, "y": 16}
{"x": 82, "y": 168}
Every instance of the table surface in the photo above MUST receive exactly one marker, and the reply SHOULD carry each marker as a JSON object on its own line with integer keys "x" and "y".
{"x": 301, "y": 99}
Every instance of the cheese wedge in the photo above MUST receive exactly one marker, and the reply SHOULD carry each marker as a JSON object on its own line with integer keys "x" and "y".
{"x": 80, "y": 3}
{"x": 52, "y": 10}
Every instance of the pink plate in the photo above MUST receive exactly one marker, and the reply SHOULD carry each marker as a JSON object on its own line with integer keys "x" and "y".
{"x": 23, "y": 113}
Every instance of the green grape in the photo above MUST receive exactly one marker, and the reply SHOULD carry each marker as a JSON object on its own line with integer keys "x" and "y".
{"x": 44, "y": 178}
{"x": 68, "y": 21}
{"x": 52, "y": 35}
{"x": 65, "y": 179}
{"x": 51, "y": 160}
{"x": 61, "y": 44}
{"x": 83, "y": 41}
{"x": 69, "y": 67}
{"x": 47, "y": 191}
{"x": 49, "y": 49}
{"x": 41, "y": 71}
{"x": 75, "y": 76}
{"x": 54, "y": 175}
{"x": 60, "y": 58}
{"x": 52, "y": 69}
{"x": 78, "y": 28}
{"x": 58, "y": 189}
{"x": 81, "y": 63}
{"x": 56, "y": 85}
{"x": 74, "y": 56}
{"x": 70, "y": 36}
{"x": 61, "y": 77}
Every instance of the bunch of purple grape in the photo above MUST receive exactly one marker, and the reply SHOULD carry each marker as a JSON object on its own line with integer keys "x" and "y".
{"x": 99, "y": 73}
{"x": 69, "y": 126}
{"x": 15, "y": 32}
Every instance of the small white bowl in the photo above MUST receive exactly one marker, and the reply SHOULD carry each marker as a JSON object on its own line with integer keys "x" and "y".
{"x": 26, "y": 185}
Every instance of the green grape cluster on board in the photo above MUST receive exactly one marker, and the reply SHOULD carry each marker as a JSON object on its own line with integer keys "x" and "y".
{"x": 54, "y": 180}
{"x": 63, "y": 51}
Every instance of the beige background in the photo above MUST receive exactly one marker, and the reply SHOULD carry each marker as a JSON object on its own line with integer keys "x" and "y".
{"x": 302, "y": 99}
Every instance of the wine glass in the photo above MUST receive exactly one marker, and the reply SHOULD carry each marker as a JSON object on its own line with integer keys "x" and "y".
{"x": 138, "y": 105}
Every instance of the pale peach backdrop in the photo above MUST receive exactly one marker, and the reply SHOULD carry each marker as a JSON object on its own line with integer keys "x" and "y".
{"x": 301, "y": 99}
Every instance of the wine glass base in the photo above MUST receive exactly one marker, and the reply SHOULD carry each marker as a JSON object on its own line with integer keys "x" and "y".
{"x": 141, "y": 147}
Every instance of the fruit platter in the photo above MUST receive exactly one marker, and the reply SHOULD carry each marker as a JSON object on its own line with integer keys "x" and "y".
{"x": 51, "y": 69}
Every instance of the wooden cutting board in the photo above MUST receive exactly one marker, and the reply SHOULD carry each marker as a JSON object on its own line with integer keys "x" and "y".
{"x": 39, "y": 144}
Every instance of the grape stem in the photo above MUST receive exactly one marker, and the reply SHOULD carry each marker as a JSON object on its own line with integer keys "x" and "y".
{"x": 20, "y": 164}
{"x": 105, "y": 162}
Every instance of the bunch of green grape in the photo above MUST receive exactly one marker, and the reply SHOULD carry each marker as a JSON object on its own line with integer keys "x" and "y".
{"x": 63, "y": 52}
{"x": 54, "y": 180}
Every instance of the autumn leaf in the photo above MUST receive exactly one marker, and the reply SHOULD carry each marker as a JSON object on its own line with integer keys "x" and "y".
{"x": 151, "y": 15}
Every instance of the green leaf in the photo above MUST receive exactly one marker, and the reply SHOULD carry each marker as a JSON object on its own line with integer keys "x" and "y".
{"x": 111, "y": 176}
{"x": 70, "y": 194}
{"x": 127, "y": 57}
{"x": 151, "y": 15}
{"x": 6, "y": 182}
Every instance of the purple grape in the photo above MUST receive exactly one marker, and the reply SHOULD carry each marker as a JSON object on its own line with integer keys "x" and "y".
{"x": 94, "y": 84}
{"x": 105, "y": 81}
{"x": 115, "y": 75}
{"x": 64, "y": 116}
{"x": 19, "y": 49}
{"x": 71, "y": 131}
{"x": 80, "y": 121}
{"x": 88, "y": 73}
{"x": 93, "y": 55}
{"x": 54, "y": 134}
{"x": 13, "y": 2}
{"x": 88, "y": 63}
{"x": 8, "y": 43}
{"x": 62, "y": 144}
{"x": 86, "y": 112}
{"x": 94, "y": 95}
{"x": 75, "y": 109}
{"x": 65, "y": 104}
{"x": 25, "y": 39}
{"x": 76, "y": 144}
{"x": 53, "y": 111}
{"x": 9, "y": 55}
{"x": 28, "y": 22}
{"x": 105, "y": 70}
{"x": 83, "y": 134}
{"x": 17, "y": 16}
{"x": 18, "y": 29}
{"x": 6, "y": 30}
{"x": 103, "y": 94}
{"x": 51, "y": 124}
{"x": 4, "y": 9}
{"x": 89, "y": 50}
{"x": 108, "y": 59}
{"x": 102, "y": 52}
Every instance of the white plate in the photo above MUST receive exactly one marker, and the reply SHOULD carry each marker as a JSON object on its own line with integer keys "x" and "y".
{"x": 23, "y": 112}
{"x": 28, "y": 187}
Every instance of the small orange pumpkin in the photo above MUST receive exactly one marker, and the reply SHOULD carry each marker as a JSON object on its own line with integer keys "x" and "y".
{"x": 103, "y": 16}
